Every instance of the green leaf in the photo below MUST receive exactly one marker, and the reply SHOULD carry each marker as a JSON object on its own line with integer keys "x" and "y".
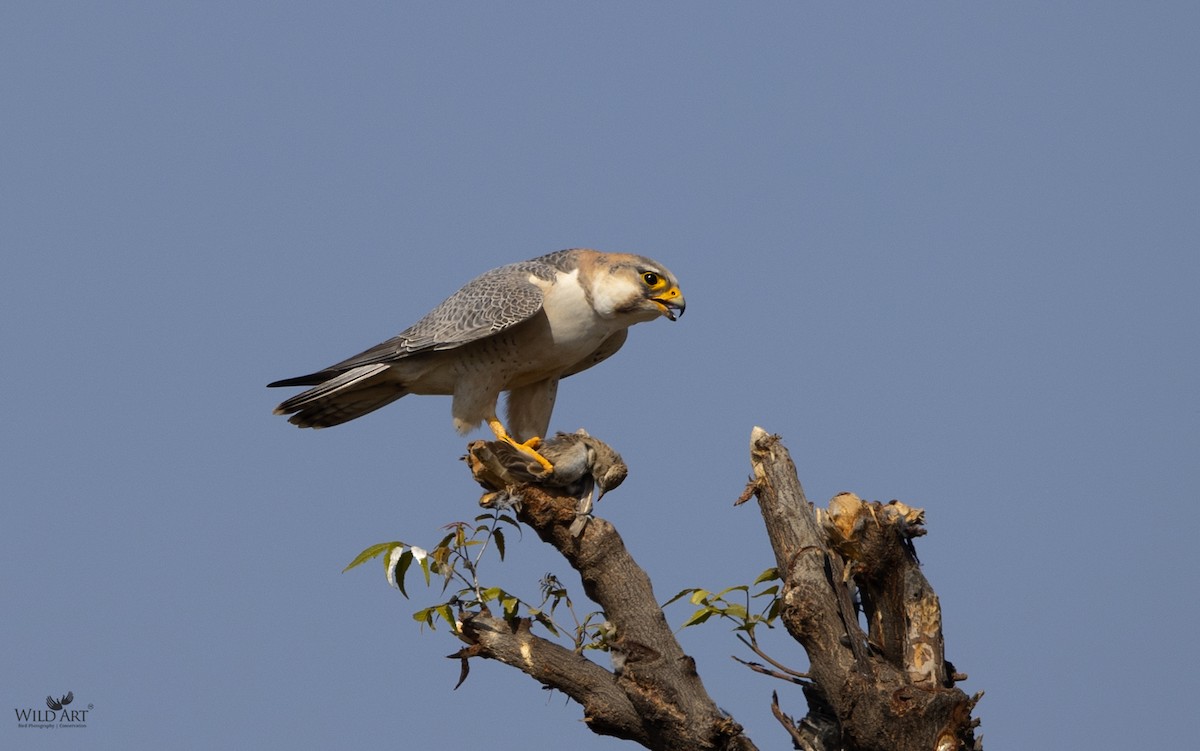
{"x": 768, "y": 575}
{"x": 425, "y": 569}
{"x": 736, "y": 611}
{"x": 738, "y": 588}
{"x": 491, "y": 593}
{"x": 682, "y": 593}
{"x": 700, "y": 616}
{"x": 699, "y": 596}
{"x": 424, "y": 616}
{"x": 594, "y": 616}
{"x": 402, "y": 565}
{"x": 509, "y": 603}
{"x": 441, "y": 561}
{"x": 447, "y": 615}
{"x": 773, "y": 590}
{"x": 498, "y": 536}
{"x": 370, "y": 553}
{"x": 544, "y": 619}
{"x": 509, "y": 520}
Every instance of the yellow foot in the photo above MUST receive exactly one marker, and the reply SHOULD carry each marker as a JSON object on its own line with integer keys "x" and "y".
{"x": 528, "y": 448}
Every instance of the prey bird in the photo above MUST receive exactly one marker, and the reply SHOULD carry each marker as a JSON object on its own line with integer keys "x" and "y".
{"x": 517, "y": 329}
{"x": 582, "y": 465}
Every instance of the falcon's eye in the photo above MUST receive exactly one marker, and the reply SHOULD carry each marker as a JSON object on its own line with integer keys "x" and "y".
{"x": 651, "y": 279}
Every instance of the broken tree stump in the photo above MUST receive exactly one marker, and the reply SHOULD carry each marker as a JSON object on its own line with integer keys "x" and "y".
{"x": 888, "y": 688}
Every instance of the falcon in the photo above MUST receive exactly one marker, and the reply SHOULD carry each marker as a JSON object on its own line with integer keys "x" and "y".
{"x": 517, "y": 329}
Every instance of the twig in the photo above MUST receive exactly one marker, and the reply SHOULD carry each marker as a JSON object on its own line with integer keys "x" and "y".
{"x": 773, "y": 673}
{"x": 788, "y": 724}
{"x": 753, "y": 645}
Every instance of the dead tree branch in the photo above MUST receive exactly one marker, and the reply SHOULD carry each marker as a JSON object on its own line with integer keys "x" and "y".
{"x": 665, "y": 705}
{"x": 889, "y": 689}
{"x": 607, "y": 710}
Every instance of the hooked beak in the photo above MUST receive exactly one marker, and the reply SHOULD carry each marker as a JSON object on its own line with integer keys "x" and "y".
{"x": 671, "y": 303}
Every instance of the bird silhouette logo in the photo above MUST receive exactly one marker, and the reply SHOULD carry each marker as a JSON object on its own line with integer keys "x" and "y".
{"x": 57, "y": 704}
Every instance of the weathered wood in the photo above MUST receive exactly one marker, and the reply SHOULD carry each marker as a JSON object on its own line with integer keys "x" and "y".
{"x": 904, "y": 617}
{"x": 674, "y": 711}
{"x": 606, "y": 708}
{"x": 889, "y": 689}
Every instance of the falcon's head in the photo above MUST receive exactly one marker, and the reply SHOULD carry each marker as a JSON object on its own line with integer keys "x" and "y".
{"x": 633, "y": 287}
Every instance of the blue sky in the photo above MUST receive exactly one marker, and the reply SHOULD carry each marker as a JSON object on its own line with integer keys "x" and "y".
{"x": 948, "y": 251}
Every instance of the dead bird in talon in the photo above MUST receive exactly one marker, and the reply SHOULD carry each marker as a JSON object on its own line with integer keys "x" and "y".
{"x": 581, "y": 465}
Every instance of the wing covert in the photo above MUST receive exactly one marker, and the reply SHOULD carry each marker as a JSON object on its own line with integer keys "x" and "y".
{"x": 492, "y": 302}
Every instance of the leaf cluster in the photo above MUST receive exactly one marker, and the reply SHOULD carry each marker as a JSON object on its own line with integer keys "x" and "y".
{"x": 456, "y": 560}
{"x": 734, "y": 604}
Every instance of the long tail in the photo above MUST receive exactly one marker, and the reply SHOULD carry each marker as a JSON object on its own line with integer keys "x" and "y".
{"x": 339, "y": 397}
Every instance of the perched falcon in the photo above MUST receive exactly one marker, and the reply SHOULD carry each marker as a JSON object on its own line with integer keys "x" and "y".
{"x": 519, "y": 328}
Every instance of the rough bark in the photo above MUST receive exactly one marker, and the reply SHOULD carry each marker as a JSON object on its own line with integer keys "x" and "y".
{"x": 886, "y": 690}
{"x": 889, "y": 688}
{"x": 607, "y": 710}
{"x": 653, "y": 694}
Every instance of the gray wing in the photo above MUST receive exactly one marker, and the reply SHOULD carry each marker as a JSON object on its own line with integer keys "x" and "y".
{"x": 491, "y": 302}
{"x": 487, "y": 304}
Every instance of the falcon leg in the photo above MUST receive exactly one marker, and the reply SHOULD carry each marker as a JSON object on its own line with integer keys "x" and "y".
{"x": 528, "y": 447}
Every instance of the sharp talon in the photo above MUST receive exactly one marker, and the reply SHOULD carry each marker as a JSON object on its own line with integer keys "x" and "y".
{"x": 528, "y": 447}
